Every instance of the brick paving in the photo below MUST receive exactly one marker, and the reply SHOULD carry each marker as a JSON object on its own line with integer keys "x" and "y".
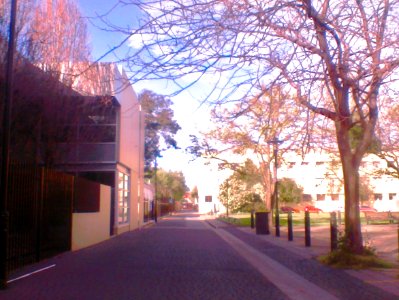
{"x": 337, "y": 282}
{"x": 174, "y": 259}
{"x": 180, "y": 257}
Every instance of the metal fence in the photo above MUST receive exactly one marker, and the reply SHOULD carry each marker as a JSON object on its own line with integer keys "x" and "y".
{"x": 40, "y": 214}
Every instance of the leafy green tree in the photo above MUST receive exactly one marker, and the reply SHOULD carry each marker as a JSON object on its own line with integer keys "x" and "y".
{"x": 289, "y": 191}
{"x": 194, "y": 194}
{"x": 170, "y": 184}
{"x": 160, "y": 127}
{"x": 242, "y": 191}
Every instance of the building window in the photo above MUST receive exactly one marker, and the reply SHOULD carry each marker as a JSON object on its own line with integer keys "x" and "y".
{"x": 208, "y": 198}
{"x": 304, "y": 163}
{"x": 334, "y": 197}
{"x": 321, "y": 197}
{"x": 291, "y": 165}
{"x": 377, "y": 196}
{"x": 306, "y": 197}
{"x": 392, "y": 196}
{"x": 123, "y": 198}
{"x": 319, "y": 163}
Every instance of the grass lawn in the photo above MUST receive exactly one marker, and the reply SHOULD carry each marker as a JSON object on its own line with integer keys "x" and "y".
{"x": 316, "y": 219}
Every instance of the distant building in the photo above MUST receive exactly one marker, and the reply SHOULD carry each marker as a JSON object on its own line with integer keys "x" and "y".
{"x": 208, "y": 184}
{"x": 320, "y": 176}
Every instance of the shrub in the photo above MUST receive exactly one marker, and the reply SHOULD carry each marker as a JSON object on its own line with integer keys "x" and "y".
{"x": 344, "y": 258}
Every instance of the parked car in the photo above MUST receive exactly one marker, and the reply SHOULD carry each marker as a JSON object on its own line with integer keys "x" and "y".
{"x": 311, "y": 208}
{"x": 367, "y": 208}
{"x": 286, "y": 209}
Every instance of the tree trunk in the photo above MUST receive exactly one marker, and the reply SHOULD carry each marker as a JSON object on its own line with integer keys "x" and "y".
{"x": 353, "y": 231}
{"x": 350, "y": 167}
{"x": 269, "y": 190}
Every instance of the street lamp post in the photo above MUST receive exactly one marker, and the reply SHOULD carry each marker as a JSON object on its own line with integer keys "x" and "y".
{"x": 275, "y": 142}
{"x": 156, "y": 190}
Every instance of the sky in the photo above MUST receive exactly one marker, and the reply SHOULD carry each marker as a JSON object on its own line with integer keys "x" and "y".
{"x": 188, "y": 113}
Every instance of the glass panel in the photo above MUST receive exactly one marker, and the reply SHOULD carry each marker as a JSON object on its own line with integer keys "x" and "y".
{"x": 97, "y": 152}
{"x": 97, "y": 133}
{"x": 123, "y": 198}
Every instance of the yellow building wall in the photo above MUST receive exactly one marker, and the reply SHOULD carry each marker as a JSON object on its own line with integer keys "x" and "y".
{"x": 91, "y": 228}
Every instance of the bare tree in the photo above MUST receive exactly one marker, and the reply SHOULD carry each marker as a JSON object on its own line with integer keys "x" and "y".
{"x": 247, "y": 127}
{"x": 52, "y": 50}
{"x": 338, "y": 56}
{"x": 51, "y": 34}
{"x": 388, "y": 138}
{"x": 57, "y": 39}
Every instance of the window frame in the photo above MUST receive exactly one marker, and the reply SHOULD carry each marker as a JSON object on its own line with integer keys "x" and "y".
{"x": 123, "y": 199}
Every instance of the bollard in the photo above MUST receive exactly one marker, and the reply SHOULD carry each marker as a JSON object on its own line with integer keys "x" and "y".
{"x": 252, "y": 219}
{"x": 333, "y": 231}
{"x": 307, "y": 229}
{"x": 262, "y": 223}
{"x": 277, "y": 221}
{"x": 290, "y": 232}
{"x": 339, "y": 218}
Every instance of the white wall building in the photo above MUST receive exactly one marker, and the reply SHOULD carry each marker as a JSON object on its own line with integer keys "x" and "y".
{"x": 208, "y": 183}
{"x": 320, "y": 176}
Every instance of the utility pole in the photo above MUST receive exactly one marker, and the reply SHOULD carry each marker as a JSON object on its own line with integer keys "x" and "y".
{"x": 4, "y": 218}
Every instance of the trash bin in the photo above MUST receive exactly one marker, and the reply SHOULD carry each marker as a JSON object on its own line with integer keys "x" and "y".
{"x": 262, "y": 223}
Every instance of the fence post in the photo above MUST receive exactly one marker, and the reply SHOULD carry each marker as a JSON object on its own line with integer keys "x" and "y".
{"x": 333, "y": 231}
{"x": 307, "y": 229}
{"x": 290, "y": 231}
{"x": 252, "y": 219}
{"x": 41, "y": 174}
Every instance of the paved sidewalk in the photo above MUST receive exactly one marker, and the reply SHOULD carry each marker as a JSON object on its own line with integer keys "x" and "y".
{"x": 294, "y": 253}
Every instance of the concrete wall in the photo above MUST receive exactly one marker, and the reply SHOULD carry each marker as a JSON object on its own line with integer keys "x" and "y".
{"x": 208, "y": 182}
{"x": 91, "y": 228}
{"x": 131, "y": 148}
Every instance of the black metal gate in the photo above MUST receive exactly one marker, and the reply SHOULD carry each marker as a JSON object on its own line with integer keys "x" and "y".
{"x": 40, "y": 209}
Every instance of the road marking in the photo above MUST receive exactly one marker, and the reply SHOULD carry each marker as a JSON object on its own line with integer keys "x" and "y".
{"x": 29, "y": 274}
{"x": 377, "y": 281}
{"x": 290, "y": 283}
